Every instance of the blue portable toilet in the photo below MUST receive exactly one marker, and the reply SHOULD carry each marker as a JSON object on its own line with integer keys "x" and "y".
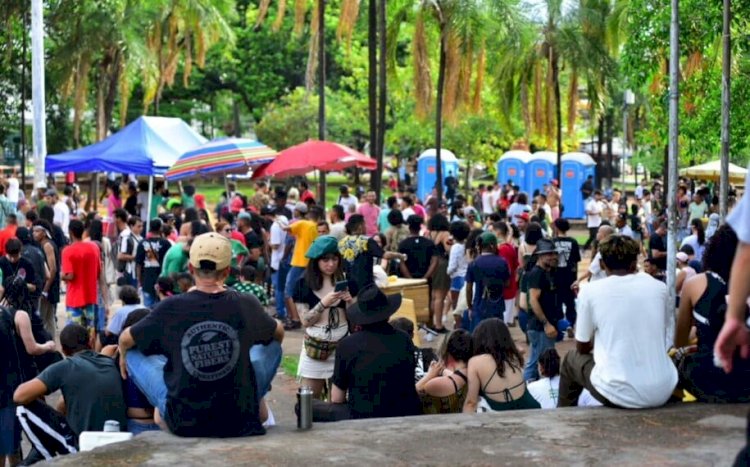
{"x": 512, "y": 167}
{"x": 540, "y": 170}
{"x": 576, "y": 167}
{"x": 427, "y": 170}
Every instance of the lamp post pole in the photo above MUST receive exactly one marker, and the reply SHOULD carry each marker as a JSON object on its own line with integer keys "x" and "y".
{"x": 37, "y": 89}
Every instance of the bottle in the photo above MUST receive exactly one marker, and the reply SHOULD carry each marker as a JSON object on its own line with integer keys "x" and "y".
{"x": 112, "y": 426}
{"x": 304, "y": 400}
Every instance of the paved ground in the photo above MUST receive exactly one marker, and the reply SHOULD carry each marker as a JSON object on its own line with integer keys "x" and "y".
{"x": 683, "y": 435}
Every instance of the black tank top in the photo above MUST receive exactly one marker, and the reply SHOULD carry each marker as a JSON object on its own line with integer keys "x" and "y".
{"x": 709, "y": 312}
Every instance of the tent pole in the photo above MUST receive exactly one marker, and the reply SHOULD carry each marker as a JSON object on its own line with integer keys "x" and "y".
{"x": 150, "y": 199}
{"x": 226, "y": 189}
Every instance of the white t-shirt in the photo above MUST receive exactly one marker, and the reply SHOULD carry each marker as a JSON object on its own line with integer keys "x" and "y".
{"x": 487, "y": 207}
{"x": 338, "y": 230}
{"x": 347, "y": 202}
{"x": 495, "y": 197}
{"x": 142, "y": 199}
{"x": 62, "y": 215}
{"x": 639, "y": 191}
{"x": 626, "y": 231}
{"x": 739, "y": 218}
{"x": 517, "y": 209}
{"x": 12, "y": 193}
{"x": 546, "y": 391}
{"x": 596, "y": 270}
{"x": 277, "y": 242}
{"x": 692, "y": 240}
{"x": 630, "y": 334}
{"x": 407, "y": 212}
{"x": 593, "y": 213}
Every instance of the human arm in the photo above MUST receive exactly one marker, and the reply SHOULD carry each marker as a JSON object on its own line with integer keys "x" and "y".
{"x": 536, "y": 308}
{"x": 49, "y": 252}
{"x": 338, "y": 395}
{"x": 23, "y": 326}
{"x": 454, "y": 260}
{"x": 125, "y": 343}
{"x": 66, "y": 266}
{"x": 472, "y": 391}
{"x": 685, "y": 313}
{"x": 310, "y": 316}
{"x": 432, "y": 268}
{"x": 584, "y": 325}
{"x": 469, "y": 295}
{"x": 124, "y": 248}
{"x": 29, "y": 392}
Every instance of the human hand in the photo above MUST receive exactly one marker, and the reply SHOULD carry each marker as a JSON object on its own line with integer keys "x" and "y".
{"x": 346, "y": 296}
{"x": 733, "y": 334}
{"x": 49, "y": 346}
{"x": 331, "y": 298}
{"x": 550, "y": 331}
{"x": 436, "y": 368}
{"x": 575, "y": 285}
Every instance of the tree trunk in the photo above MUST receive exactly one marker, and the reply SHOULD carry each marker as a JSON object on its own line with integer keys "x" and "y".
{"x": 599, "y": 154}
{"x": 558, "y": 113}
{"x": 322, "y": 128}
{"x": 610, "y": 131}
{"x": 439, "y": 115}
{"x": 726, "y": 70}
{"x": 382, "y": 97}
{"x": 372, "y": 79}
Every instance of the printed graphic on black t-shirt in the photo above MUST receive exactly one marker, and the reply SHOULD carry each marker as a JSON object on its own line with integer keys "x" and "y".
{"x": 210, "y": 350}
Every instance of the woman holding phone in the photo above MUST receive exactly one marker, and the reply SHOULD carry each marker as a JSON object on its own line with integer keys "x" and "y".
{"x": 321, "y": 296}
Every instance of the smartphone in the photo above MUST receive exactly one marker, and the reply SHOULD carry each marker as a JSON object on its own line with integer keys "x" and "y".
{"x": 341, "y": 286}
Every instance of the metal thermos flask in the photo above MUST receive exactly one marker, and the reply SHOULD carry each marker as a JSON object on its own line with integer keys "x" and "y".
{"x": 112, "y": 426}
{"x": 304, "y": 399}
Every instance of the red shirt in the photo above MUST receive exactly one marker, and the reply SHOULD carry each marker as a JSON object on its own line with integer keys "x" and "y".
{"x": 510, "y": 255}
{"x": 239, "y": 237}
{"x": 83, "y": 260}
{"x": 307, "y": 194}
{"x": 5, "y": 235}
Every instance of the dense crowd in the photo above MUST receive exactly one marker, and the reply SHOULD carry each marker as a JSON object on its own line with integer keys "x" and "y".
{"x": 204, "y": 300}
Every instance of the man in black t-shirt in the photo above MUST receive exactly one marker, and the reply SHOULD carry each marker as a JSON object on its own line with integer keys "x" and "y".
{"x": 567, "y": 269}
{"x": 421, "y": 254}
{"x": 374, "y": 368}
{"x": 657, "y": 247}
{"x": 207, "y": 357}
{"x": 14, "y": 265}
{"x": 544, "y": 306}
{"x": 149, "y": 258}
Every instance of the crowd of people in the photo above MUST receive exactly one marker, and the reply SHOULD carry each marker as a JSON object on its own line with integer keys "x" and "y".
{"x": 204, "y": 300}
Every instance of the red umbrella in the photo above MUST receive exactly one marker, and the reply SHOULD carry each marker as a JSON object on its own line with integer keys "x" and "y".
{"x": 314, "y": 155}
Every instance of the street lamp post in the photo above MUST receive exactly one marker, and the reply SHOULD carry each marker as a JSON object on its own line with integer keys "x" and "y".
{"x": 628, "y": 100}
{"x": 37, "y": 89}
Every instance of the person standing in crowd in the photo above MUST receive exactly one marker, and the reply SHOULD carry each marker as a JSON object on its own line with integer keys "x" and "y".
{"x": 260, "y": 199}
{"x": 397, "y": 232}
{"x": 587, "y": 188}
{"x": 239, "y": 252}
{"x": 698, "y": 209}
{"x": 58, "y": 236}
{"x": 279, "y": 266}
{"x": 359, "y": 253}
{"x": 14, "y": 267}
{"x": 126, "y": 249}
{"x": 623, "y": 320}
{"x": 407, "y": 207}
{"x": 61, "y": 210}
{"x": 519, "y": 207}
{"x": 440, "y": 281}
{"x": 658, "y": 247}
{"x": 51, "y": 289}
{"x": 553, "y": 199}
{"x": 697, "y": 238}
{"x": 420, "y": 260}
{"x": 176, "y": 364}
{"x": 374, "y": 368}
{"x": 703, "y": 305}
{"x": 337, "y": 222}
{"x": 544, "y": 305}
{"x": 458, "y": 260}
{"x": 91, "y": 388}
{"x": 371, "y": 212}
{"x": 323, "y": 228}
{"x": 346, "y": 200}
{"x": 33, "y": 254}
{"x": 8, "y": 232}
{"x": 566, "y": 272}
{"x": 507, "y": 251}
{"x": 305, "y": 193}
{"x": 594, "y": 208}
{"x": 495, "y": 372}
{"x": 149, "y": 258}
{"x": 486, "y": 278}
{"x": 323, "y": 312}
{"x": 80, "y": 270}
{"x": 383, "y": 224}
{"x": 305, "y": 231}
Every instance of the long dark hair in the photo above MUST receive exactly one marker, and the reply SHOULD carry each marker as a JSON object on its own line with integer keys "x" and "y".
{"x": 471, "y": 243}
{"x": 492, "y": 337}
{"x": 96, "y": 229}
{"x": 700, "y": 231}
{"x": 314, "y": 276}
{"x": 720, "y": 250}
{"x": 549, "y": 360}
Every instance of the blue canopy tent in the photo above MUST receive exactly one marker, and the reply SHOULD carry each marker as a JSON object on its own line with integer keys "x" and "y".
{"x": 147, "y": 146}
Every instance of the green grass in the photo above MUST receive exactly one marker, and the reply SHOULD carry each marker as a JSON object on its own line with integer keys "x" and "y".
{"x": 289, "y": 364}
{"x": 581, "y": 239}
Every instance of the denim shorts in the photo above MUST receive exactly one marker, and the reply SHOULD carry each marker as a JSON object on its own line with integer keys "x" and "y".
{"x": 457, "y": 283}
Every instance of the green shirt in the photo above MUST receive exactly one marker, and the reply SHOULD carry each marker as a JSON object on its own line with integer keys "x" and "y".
{"x": 187, "y": 201}
{"x": 238, "y": 250}
{"x": 252, "y": 288}
{"x": 175, "y": 261}
{"x": 156, "y": 200}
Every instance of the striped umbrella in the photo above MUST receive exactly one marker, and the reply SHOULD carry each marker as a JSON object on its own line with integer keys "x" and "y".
{"x": 221, "y": 156}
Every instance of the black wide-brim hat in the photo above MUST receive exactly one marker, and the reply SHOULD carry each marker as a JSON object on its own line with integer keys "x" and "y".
{"x": 373, "y": 306}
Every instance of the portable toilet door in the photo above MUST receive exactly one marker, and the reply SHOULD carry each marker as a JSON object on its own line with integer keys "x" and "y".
{"x": 576, "y": 167}
{"x": 512, "y": 167}
{"x": 427, "y": 170}
{"x": 540, "y": 170}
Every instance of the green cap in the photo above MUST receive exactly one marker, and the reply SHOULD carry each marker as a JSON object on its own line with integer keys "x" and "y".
{"x": 323, "y": 245}
{"x": 488, "y": 238}
{"x": 172, "y": 203}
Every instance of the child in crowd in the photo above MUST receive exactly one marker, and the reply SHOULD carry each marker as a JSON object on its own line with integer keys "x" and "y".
{"x": 247, "y": 285}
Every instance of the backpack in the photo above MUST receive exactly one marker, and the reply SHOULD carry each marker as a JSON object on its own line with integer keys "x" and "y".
{"x": 122, "y": 265}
